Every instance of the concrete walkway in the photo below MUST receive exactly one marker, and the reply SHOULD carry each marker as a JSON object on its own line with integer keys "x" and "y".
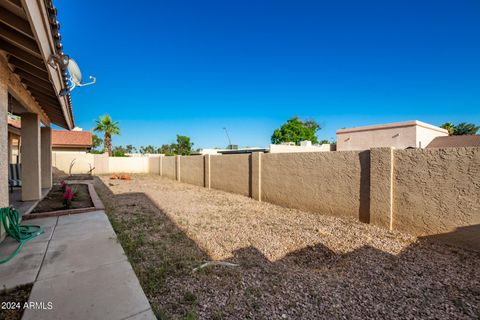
{"x": 79, "y": 266}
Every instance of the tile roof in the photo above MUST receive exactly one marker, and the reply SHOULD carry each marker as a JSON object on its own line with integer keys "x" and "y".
{"x": 14, "y": 123}
{"x": 71, "y": 138}
{"x": 455, "y": 141}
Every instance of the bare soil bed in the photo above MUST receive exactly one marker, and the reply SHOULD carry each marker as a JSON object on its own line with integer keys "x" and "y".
{"x": 79, "y": 177}
{"x": 12, "y": 302}
{"x": 54, "y": 199}
{"x": 292, "y": 264}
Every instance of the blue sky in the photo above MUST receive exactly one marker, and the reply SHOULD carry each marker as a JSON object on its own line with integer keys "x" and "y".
{"x": 194, "y": 67}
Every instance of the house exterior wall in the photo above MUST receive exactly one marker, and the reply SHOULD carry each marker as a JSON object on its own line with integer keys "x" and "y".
{"x": 13, "y": 148}
{"x": 402, "y": 135}
{"x": 31, "y": 160}
{"x": 399, "y": 138}
{"x": 46, "y": 156}
{"x": 426, "y": 135}
{"x": 4, "y": 202}
{"x": 70, "y": 149}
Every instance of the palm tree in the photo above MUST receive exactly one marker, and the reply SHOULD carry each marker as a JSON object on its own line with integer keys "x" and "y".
{"x": 109, "y": 128}
{"x": 450, "y": 127}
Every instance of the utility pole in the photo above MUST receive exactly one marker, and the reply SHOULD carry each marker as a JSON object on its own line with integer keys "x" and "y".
{"x": 228, "y": 137}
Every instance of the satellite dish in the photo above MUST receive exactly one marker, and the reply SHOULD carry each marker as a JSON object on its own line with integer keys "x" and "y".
{"x": 75, "y": 79}
{"x": 74, "y": 71}
{"x": 76, "y": 76}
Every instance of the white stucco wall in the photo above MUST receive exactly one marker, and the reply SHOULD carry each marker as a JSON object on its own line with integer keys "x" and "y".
{"x": 426, "y": 135}
{"x": 103, "y": 164}
{"x": 282, "y": 148}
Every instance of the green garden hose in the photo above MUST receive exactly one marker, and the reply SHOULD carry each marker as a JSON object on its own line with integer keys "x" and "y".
{"x": 11, "y": 222}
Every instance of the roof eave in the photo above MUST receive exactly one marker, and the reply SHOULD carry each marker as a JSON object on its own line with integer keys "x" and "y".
{"x": 37, "y": 14}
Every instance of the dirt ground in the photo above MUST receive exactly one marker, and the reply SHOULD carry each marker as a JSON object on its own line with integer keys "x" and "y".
{"x": 292, "y": 264}
{"x": 54, "y": 199}
{"x": 12, "y": 302}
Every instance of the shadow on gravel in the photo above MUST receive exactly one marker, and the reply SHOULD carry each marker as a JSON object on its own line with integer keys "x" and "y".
{"x": 424, "y": 281}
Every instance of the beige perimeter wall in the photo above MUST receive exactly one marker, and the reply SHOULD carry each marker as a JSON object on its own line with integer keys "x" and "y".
{"x": 81, "y": 162}
{"x": 231, "y": 173}
{"x": 192, "y": 170}
{"x": 168, "y": 167}
{"x": 102, "y": 164}
{"x": 436, "y": 190}
{"x": 425, "y": 192}
{"x": 327, "y": 182}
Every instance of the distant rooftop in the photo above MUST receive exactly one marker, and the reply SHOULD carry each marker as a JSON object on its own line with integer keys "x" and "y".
{"x": 61, "y": 138}
{"x": 391, "y": 126}
{"x": 14, "y": 122}
{"x": 455, "y": 141}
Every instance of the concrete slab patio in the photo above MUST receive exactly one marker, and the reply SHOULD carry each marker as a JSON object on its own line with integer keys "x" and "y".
{"x": 80, "y": 268}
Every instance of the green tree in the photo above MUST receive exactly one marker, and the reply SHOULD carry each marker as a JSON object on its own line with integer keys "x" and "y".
{"x": 109, "y": 128}
{"x": 148, "y": 149}
{"x": 460, "y": 129}
{"x": 130, "y": 149}
{"x": 167, "y": 149}
{"x": 183, "y": 146}
{"x": 119, "y": 151}
{"x": 296, "y": 130}
{"x": 450, "y": 127}
{"x": 96, "y": 142}
{"x": 465, "y": 128}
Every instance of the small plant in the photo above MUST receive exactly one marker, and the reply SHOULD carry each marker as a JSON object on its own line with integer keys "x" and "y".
{"x": 67, "y": 197}
{"x": 190, "y": 298}
{"x": 63, "y": 185}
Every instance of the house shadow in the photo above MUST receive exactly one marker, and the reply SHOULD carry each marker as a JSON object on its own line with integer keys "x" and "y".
{"x": 364, "y": 208}
{"x": 466, "y": 237}
{"x": 314, "y": 282}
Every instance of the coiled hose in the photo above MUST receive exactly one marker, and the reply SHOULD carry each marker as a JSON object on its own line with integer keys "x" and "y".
{"x": 22, "y": 233}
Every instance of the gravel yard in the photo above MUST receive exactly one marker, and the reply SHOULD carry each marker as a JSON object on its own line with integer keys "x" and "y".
{"x": 292, "y": 264}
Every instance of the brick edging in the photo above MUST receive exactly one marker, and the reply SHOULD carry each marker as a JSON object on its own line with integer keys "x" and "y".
{"x": 97, "y": 204}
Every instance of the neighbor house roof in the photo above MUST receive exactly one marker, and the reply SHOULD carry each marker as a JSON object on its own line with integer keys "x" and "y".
{"x": 14, "y": 123}
{"x": 61, "y": 138}
{"x": 411, "y": 123}
{"x": 455, "y": 141}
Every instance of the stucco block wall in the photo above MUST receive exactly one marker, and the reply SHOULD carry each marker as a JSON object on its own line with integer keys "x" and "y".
{"x": 192, "y": 170}
{"x": 231, "y": 173}
{"x": 103, "y": 164}
{"x": 381, "y": 187}
{"x": 127, "y": 164}
{"x": 168, "y": 167}
{"x": 62, "y": 160}
{"x": 153, "y": 165}
{"x": 425, "y": 192}
{"x": 436, "y": 190}
{"x": 321, "y": 182}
